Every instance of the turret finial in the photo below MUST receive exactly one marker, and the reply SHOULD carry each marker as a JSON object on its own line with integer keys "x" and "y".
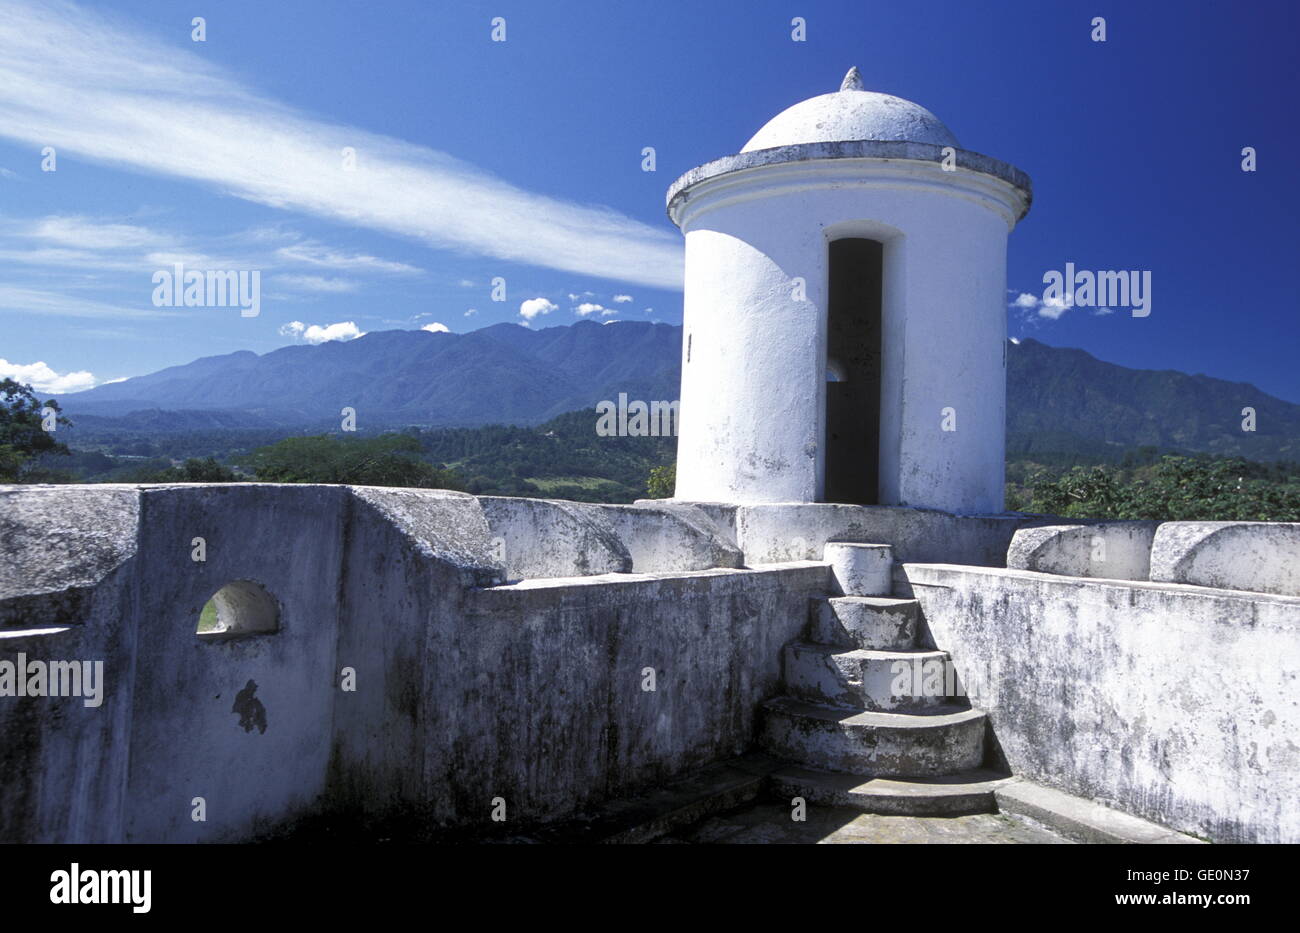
{"x": 852, "y": 81}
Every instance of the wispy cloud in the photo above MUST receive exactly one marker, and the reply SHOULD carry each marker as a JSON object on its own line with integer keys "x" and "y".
{"x": 316, "y": 283}
{"x": 38, "y": 301}
{"x": 96, "y": 89}
{"x": 87, "y": 246}
{"x": 90, "y": 233}
{"x": 315, "y": 254}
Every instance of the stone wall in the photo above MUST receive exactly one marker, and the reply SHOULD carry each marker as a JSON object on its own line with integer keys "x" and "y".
{"x": 799, "y": 531}
{"x": 494, "y": 654}
{"x": 1172, "y": 702}
{"x": 556, "y": 538}
{"x": 465, "y": 689}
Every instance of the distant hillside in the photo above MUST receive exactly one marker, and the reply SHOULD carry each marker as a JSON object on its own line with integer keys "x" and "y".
{"x": 1059, "y": 400}
{"x": 504, "y": 373}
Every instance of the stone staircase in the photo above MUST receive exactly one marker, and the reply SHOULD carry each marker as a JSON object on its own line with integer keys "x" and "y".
{"x": 853, "y": 720}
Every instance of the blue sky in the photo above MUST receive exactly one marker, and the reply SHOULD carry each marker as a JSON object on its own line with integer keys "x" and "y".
{"x": 522, "y": 159}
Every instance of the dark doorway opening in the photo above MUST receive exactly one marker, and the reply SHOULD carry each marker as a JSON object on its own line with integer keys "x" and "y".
{"x": 853, "y": 372}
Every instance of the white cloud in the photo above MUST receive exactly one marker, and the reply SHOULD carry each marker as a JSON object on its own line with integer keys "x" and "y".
{"x": 44, "y": 379}
{"x": 534, "y": 306}
{"x": 318, "y": 333}
{"x": 471, "y": 312}
{"x": 1032, "y": 306}
{"x": 649, "y": 310}
{"x": 316, "y": 283}
{"x": 96, "y": 90}
{"x": 622, "y": 299}
{"x": 1053, "y": 308}
{"x": 466, "y": 283}
{"x": 436, "y": 328}
{"x": 586, "y": 308}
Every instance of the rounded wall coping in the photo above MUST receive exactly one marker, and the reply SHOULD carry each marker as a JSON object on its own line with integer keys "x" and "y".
{"x": 1071, "y": 549}
{"x": 1259, "y": 557}
{"x": 882, "y": 151}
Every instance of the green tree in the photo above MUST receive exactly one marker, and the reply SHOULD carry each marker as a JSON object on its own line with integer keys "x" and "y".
{"x": 192, "y": 470}
{"x": 662, "y": 482}
{"x": 22, "y": 436}
{"x": 385, "y": 460}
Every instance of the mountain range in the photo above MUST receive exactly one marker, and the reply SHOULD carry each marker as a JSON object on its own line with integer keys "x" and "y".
{"x": 1058, "y": 399}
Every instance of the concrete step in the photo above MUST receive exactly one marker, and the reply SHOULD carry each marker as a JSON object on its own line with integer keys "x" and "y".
{"x": 860, "y": 569}
{"x": 943, "y": 740}
{"x": 950, "y": 795}
{"x": 872, "y": 622}
{"x": 886, "y": 681}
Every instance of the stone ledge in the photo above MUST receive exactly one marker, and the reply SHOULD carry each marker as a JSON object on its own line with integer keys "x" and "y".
{"x": 1083, "y": 820}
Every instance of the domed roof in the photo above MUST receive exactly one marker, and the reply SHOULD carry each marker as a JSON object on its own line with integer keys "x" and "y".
{"x": 852, "y": 113}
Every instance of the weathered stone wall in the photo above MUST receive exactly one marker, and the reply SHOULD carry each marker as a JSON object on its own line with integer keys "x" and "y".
{"x": 242, "y": 722}
{"x": 1172, "y": 702}
{"x": 465, "y": 689}
{"x": 555, "y": 538}
{"x": 541, "y": 694}
{"x": 799, "y": 531}
{"x": 67, "y": 591}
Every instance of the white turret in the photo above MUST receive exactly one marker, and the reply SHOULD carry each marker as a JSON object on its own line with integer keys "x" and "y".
{"x": 845, "y": 311}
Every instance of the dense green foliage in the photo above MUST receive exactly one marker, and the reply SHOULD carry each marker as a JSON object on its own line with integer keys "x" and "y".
{"x": 562, "y": 459}
{"x": 662, "y": 482}
{"x": 1169, "y": 489}
{"x": 193, "y": 470}
{"x": 384, "y": 460}
{"x": 23, "y": 441}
